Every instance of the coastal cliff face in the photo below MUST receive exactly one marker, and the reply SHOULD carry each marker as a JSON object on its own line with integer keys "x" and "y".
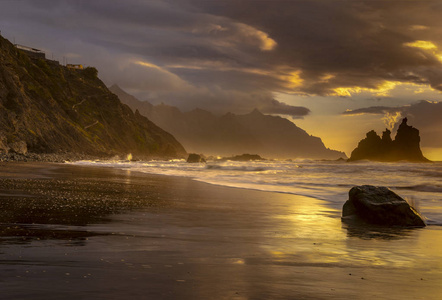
{"x": 405, "y": 146}
{"x": 48, "y": 108}
{"x": 201, "y": 131}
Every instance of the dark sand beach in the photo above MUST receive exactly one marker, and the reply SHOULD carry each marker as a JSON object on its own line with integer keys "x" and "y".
{"x": 74, "y": 232}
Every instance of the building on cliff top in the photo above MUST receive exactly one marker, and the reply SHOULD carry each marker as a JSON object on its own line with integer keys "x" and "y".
{"x": 39, "y": 54}
{"x": 35, "y": 53}
{"x": 76, "y": 67}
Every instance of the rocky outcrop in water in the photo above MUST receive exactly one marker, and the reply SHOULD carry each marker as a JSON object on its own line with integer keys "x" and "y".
{"x": 195, "y": 158}
{"x": 49, "y": 108}
{"x": 379, "y": 206}
{"x": 404, "y": 147}
{"x": 244, "y": 157}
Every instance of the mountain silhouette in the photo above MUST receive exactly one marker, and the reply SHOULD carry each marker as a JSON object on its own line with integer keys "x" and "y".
{"x": 201, "y": 131}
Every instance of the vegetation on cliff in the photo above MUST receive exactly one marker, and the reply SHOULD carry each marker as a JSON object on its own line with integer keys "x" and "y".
{"x": 48, "y": 108}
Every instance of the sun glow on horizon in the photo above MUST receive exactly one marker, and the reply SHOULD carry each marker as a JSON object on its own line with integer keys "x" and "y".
{"x": 433, "y": 154}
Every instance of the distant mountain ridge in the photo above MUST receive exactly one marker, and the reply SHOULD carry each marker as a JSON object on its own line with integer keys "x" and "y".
{"x": 201, "y": 131}
{"x": 49, "y": 108}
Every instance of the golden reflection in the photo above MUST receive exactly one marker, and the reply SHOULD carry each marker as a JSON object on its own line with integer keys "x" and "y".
{"x": 310, "y": 230}
{"x": 128, "y": 178}
{"x": 311, "y": 233}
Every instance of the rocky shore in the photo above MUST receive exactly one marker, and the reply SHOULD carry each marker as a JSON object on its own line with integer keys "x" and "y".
{"x": 49, "y": 157}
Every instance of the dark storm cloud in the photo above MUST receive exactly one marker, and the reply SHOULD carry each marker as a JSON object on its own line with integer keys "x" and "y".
{"x": 276, "y": 107}
{"x": 360, "y": 43}
{"x": 232, "y": 55}
{"x": 374, "y": 110}
{"x": 424, "y": 115}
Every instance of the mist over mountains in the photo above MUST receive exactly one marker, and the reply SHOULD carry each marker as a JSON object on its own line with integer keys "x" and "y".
{"x": 49, "y": 108}
{"x": 201, "y": 131}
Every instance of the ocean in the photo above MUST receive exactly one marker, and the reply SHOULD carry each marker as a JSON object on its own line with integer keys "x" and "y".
{"x": 113, "y": 232}
{"x": 419, "y": 183}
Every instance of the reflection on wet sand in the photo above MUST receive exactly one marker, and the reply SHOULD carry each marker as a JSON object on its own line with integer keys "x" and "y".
{"x": 80, "y": 232}
{"x": 71, "y": 199}
{"x": 367, "y": 232}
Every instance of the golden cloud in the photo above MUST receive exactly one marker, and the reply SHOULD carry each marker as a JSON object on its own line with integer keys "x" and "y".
{"x": 265, "y": 43}
{"x": 418, "y": 27}
{"x": 426, "y": 45}
{"x": 381, "y": 90}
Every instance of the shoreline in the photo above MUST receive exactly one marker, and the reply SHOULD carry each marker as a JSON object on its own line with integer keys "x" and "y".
{"x": 81, "y": 232}
{"x": 67, "y": 157}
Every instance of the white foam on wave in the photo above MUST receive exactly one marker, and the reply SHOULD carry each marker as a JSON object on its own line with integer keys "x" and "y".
{"x": 325, "y": 180}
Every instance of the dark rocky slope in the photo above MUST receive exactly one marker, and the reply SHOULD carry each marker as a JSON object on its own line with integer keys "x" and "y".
{"x": 203, "y": 132}
{"x": 405, "y": 146}
{"x": 48, "y": 108}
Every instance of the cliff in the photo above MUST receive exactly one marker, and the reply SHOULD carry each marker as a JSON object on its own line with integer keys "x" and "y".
{"x": 203, "y": 132}
{"x": 48, "y": 108}
{"x": 405, "y": 146}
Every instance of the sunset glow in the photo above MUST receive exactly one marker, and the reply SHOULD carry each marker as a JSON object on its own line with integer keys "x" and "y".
{"x": 426, "y": 45}
{"x": 224, "y": 60}
{"x": 220, "y": 149}
{"x": 382, "y": 90}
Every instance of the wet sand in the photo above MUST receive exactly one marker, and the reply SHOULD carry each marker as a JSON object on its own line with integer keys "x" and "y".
{"x": 75, "y": 232}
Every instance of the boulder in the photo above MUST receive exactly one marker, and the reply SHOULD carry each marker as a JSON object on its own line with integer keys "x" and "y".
{"x": 19, "y": 147}
{"x": 380, "y": 206}
{"x": 195, "y": 158}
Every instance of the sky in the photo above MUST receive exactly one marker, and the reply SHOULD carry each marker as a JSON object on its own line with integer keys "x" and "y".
{"x": 337, "y": 69}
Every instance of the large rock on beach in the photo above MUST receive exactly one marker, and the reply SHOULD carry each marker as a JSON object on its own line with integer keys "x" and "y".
{"x": 380, "y": 206}
{"x": 19, "y": 147}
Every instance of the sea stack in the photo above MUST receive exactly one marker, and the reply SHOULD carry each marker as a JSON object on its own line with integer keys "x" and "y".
{"x": 405, "y": 146}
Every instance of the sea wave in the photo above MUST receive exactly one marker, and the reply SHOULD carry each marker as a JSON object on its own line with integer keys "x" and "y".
{"x": 237, "y": 168}
{"x": 324, "y": 180}
{"x": 431, "y": 188}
